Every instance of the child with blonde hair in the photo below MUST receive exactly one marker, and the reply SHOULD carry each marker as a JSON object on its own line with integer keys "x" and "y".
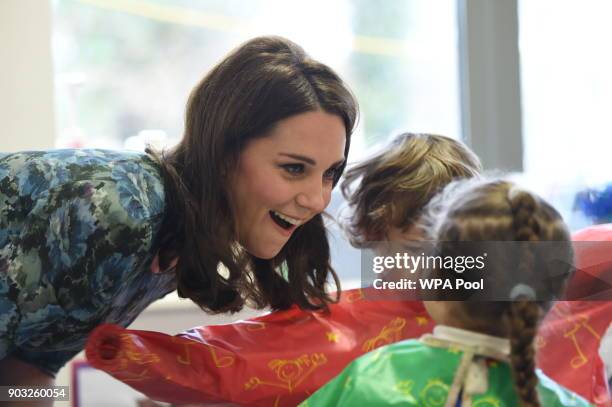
{"x": 387, "y": 192}
{"x": 481, "y": 353}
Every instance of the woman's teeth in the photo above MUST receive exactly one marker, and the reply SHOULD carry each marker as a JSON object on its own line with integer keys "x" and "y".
{"x": 286, "y": 222}
{"x": 293, "y": 221}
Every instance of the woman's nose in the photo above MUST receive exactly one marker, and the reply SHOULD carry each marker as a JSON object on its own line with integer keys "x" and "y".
{"x": 315, "y": 196}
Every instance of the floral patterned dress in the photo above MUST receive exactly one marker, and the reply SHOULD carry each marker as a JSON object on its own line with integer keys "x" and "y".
{"x": 77, "y": 236}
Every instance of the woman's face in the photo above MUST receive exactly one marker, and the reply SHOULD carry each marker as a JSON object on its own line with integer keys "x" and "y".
{"x": 285, "y": 178}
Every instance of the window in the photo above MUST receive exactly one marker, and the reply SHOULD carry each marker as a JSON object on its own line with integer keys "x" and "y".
{"x": 124, "y": 68}
{"x": 566, "y": 97}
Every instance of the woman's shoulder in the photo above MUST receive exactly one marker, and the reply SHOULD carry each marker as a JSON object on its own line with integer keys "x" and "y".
{"x": 55, "y": 167}
{"x": 125, "y": 181}
{"x": 81, "y": 221}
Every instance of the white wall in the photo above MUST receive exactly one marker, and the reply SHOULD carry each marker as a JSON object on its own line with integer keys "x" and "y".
{"x": 26, "y": 75}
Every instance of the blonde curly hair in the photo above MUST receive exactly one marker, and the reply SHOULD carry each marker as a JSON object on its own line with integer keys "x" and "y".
{"x": 395, "y": 184}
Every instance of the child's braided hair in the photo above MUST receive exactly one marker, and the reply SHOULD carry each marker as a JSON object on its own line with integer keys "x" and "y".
{"x": 496, "y": 210}
{"x": 523, "y": 314}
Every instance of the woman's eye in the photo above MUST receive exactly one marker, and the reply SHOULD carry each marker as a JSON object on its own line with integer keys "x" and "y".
{"x": 293, "y": 169}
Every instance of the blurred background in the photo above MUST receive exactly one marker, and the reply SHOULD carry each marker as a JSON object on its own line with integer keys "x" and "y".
{"x": 525, "y": 83}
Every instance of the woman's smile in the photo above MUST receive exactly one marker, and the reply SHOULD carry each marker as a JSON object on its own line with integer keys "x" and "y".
{"x": 285, "y": 178}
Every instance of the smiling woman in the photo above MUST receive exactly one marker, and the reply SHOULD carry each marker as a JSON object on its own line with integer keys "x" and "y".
{"x": 284, "y": 179}
{"x": 264, "y": 131}
{"x": 94, "y": 236}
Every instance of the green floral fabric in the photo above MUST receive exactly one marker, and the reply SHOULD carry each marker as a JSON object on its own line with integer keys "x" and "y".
{"x": 77, "y": 237}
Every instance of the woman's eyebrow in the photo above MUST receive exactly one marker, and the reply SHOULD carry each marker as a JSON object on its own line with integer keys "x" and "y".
{"x": 309, "y": 160}
{"x": 298, "y": 157}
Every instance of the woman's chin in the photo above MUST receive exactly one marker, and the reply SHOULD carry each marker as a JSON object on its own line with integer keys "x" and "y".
{"x": 265, "y": 253}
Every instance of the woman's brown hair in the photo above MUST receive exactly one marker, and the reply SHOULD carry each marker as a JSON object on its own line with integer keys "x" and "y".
{"x": 392, "y": 187}
{"x": 496, "y": 211}
{"x": 263, "y": 81}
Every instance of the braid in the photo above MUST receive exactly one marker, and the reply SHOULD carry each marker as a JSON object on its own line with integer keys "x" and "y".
{"x": 523, "y": 323}
{"x": 496, "y": 210}
{"x": 524, "y": 313}
{"x": 523, "y": 205}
